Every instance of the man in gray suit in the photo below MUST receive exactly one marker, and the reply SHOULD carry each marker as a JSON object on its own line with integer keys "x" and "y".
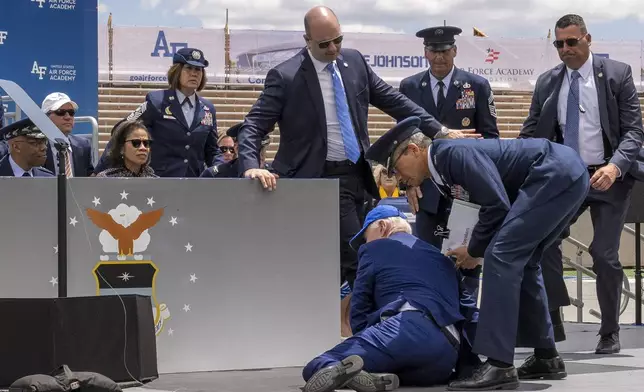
{"x": 590, "y": 104}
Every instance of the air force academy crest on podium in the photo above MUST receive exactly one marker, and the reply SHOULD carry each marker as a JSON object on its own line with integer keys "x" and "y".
{"x": 123, "y": 268}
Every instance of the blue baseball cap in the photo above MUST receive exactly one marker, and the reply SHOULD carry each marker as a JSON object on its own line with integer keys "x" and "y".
{"x": 380, "y": 212}
{"x": 190, "y": 56}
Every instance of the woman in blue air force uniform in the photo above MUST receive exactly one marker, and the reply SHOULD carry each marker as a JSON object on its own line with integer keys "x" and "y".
{"x": 182, "y": 124}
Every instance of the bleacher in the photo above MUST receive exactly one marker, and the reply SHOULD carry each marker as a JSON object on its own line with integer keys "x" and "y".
{"x": 117, "y": 101}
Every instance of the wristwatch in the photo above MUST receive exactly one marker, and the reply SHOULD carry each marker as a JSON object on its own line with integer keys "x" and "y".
{"x": 442, "y": 133}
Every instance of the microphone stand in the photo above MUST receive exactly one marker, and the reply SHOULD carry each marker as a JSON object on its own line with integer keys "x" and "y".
{"x": 63, "y": 149}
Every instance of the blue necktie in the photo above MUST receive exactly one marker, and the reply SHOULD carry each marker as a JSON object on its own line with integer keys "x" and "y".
{"x": 571, "y": 135}
{"x": 351, "y": 148}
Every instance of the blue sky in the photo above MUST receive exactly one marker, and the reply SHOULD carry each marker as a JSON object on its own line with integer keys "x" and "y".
{"x": 607, "y": 20}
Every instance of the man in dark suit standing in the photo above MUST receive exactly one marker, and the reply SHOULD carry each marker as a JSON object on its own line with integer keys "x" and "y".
{"x": 320, "y": 99}
{"x": 61, "y": 111}
{"x": 590, "y": 104}
{"x": 459, "y": 100}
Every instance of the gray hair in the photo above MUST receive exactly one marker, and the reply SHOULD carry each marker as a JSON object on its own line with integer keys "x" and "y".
{"x": 418, "y": 138}
{"x": 395, "y": 224}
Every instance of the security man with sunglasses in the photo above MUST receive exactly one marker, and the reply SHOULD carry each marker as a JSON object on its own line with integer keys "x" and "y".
{"x": 320, "y": 98}
{"x": 182, "y": 124}
{"x": 590, "y": 104}
{"x": 230, "y": 169}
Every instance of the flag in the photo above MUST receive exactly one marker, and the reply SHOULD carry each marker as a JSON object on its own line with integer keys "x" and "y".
{"x": 479, "y": 33}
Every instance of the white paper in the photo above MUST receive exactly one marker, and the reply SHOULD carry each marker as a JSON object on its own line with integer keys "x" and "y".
{"x": 462, "y": 219}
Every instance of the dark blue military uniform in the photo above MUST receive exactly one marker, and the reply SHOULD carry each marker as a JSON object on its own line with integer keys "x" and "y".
{"x": 528, "y": 190}
{"x": 180, "y": 149}
{"x": 28, "y": 129}
{"x": 468, "y": 104}
{"x": 407, "y": 312}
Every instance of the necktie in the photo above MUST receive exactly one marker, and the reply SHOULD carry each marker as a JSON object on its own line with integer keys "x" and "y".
{"x": 351, "y": 148}
{"x": 26, "y": 174}
{"x": 441, "y": 96}
{"x": 187, "y": 100}
{"x": 68, "y": 165}
{"x": 571, "y": 133}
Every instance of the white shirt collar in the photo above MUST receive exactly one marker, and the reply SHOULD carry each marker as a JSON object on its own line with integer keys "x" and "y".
{"x": 319, "y": 65}
{"x": 17, "y": 170}
{"x": 181, "y": 96}
{"x": 447, "y": 80}
{"x": 435, "y": 176}
{"x": 585, "y": 70}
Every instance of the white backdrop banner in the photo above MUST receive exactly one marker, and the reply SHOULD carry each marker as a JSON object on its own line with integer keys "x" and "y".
{"x": 145, "y": 54}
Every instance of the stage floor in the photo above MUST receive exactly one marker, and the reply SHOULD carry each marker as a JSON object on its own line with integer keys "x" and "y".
{"x": 586, "y": 371}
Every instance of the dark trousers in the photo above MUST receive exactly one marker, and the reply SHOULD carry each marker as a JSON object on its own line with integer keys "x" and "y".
{"x": 607, "y": 212}
{"x": 352, "y": 209}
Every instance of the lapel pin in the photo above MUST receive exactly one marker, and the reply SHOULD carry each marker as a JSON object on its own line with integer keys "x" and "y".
{"x": 172, "y": 98}
{"x": 466, "y": 85}
{"x": 346, "y": 65}
{"x": 601, "y": 74}
{"x": 423, "y": 84}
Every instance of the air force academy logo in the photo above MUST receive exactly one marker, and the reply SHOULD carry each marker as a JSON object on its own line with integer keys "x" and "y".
{"x": 3, "y": 36}
{"x": 38, "y": 70}
{"x": 122, "y": 268}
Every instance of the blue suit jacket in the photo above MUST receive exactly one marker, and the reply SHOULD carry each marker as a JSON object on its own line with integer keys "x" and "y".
{"x": 619, "y": 111}
{"x": 81, "y": 157}
{"x": 292, "y": 98}
{"x": 180, "y": 149}
{"x": 7, "y": 171}
{"x": 399, "y": 269}
{"x": 481, "y": 117}
{"x": 494, "y": 171}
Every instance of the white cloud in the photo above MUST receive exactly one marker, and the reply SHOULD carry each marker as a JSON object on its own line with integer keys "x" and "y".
{"x": 150, "y": 4}
{"x": 102, "y": 7}
{"x": 495, "y": 17}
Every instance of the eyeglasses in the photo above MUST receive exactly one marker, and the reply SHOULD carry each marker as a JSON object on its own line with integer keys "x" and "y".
{"x": 62, "y": 112}
{"x": 136, "y": 143}
{"x": 325, "y": 44}
{"x": 559, "y": 44}
{"x": 225, "y": 149}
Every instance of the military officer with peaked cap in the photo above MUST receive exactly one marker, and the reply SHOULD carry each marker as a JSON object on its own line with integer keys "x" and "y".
{"x": 459, "y": 100}
{"x": 528, "y": 190}
{"x": 27, "y": 146}
{"x": 182, "y": 124}
{"x": 230, "y": 169}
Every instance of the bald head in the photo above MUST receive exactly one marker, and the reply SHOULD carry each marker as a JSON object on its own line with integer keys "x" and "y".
{"x": 323, "y": 35}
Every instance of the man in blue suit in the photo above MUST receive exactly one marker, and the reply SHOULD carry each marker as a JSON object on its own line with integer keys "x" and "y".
{"x": 61, "y": 110}
{"x": 527, "y": 190}
{"x": 405, "y": 314}
{"x": 320, "y": 98}
{"x": 27, "y": 150}
{"x": 459, "y": 100}
{"x": 591, "y": 104}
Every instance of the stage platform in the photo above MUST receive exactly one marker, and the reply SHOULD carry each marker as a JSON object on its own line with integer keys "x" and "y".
{"x": 586, "y": 371}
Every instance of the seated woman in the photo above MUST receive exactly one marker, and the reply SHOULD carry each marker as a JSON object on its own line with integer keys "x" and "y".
{"x": 128, "y": 152}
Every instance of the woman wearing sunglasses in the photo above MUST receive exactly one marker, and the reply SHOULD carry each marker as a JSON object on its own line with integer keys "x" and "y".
{"x": 128, "y": 154}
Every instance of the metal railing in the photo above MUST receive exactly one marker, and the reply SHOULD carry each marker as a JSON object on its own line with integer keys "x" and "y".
{"x": 578, "y": 302}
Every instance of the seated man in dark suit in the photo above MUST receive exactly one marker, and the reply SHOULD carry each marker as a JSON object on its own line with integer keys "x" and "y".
{"x": 406, "y": 314}
{"x": 230, "y": 169}
{"x": 27, "y": 151}
{"x": 61, "y": 111}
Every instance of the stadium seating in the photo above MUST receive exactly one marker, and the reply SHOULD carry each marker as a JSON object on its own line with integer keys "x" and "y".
{"x": 115, "y": 102}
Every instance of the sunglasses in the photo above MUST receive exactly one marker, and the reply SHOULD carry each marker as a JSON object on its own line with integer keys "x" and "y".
{"x": 559, "y": 44}
{"x": 225, "y": 149}
{"x": 136, "y": 143}
{"x": 325, "y": 44}
{"x": 62, "y": 112}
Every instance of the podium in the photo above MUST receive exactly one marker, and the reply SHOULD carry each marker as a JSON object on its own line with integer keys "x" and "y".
{"x": 635, "y": 215}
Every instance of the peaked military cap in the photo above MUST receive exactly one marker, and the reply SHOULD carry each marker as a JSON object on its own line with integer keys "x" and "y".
{"x": 439, "y": 38}
{"x": 190, "y": 56}
{"x": 234, "y": 132}
{"x": 382, "y": 150}
{"x": 24, "y": 127}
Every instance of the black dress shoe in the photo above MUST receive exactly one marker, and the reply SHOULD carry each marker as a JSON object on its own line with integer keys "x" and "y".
{"x": 538, "y": 368}
{"x": 487, "y": 378}
{"x": 608, "y": 344}
{"x": 373, "y": 382}
{"x": 332, "y": 377}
